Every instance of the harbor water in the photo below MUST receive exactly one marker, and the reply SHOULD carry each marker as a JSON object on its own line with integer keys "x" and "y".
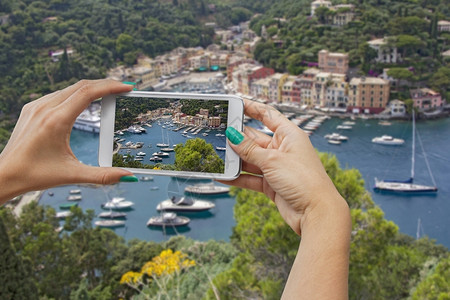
{"x": 372, "y": 160}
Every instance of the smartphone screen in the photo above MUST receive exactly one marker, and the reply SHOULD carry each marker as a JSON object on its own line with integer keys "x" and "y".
{"x": 170, "y": 134}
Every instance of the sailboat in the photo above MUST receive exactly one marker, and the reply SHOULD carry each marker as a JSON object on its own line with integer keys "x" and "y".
{"x": 162, "y": 145}
{"x": 408, "y": 186}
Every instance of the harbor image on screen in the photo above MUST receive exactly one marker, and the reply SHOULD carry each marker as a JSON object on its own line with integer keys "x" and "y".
{"x": 170, "y": 134}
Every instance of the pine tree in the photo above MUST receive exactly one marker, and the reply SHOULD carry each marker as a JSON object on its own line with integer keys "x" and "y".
{"x": 16, "y": 283}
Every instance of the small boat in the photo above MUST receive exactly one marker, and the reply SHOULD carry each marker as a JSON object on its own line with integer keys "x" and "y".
{"x": 109, "y": 223}
{"x": 138, "y": 158}
{"x": 74, "y": 192}
{"x": 68, "y": 205}
{"x": 206, "y": 189}
{"x": 384, "y": 123}
{"x": 118, "y": 203}
{"x": 344, "y": 127}
{"x": 168, "y": 219}
{"x": 147, "y": 178}
{"x": 112, "y": 215}
{"x": 141, "y": 153}
{"x": 220, "y": 134}
{"x": 388, "y": 140}
{"x": 51, "y": 194}
{"x": 336, "y": 136}
{"x": 185, "y": 204}
{"x": 334, "y": 142}
{"x": 167, "y": 149}
{"x": 63, "y": 214}
{"x": 162, "y": 145}
{"x": 161, "y": 154}
{"x": 155, "y": 158}
{"x": 74, "y": 198}
{"x": 204, "y": 134}
{"x": 154, "y": 188}
{"x": 349, "y": 123}
{"x": 221, "y": 148}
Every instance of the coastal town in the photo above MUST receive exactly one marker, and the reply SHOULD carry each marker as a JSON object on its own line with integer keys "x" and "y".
{"x": 330, "y": 85}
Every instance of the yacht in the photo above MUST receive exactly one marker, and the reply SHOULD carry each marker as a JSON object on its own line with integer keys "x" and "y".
{"x": 167, "y": 149}
{"x": 88, "y": 121}
{"x": 168, "y": 219}
{"x": 74, "y": 198}
{"x": 388, "y": 140}
{"x": 206, "y": 189}
{"x": 162, "y": 145}
{"x": 117, "y": 203}
{"x": 161, "y": 154}
{"x": 109, "y": 223}
{"x": 155, "y": 158}
{"x": 334, "y": 142}
{"x": 63, "y": 214}
{"x": 112, "y": 215}
{"x": 141, "y": 153}
{"x": 185, "y": 204}
{"x": 344, "y": 127}
{"x": 221, "y": 148}
{"x": 336, "y": 136}
{"x": 73, "y": 192}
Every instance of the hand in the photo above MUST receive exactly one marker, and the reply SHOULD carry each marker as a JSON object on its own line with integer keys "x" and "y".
{"x": 38, "y": 154}
{"x": 287, "y": 167}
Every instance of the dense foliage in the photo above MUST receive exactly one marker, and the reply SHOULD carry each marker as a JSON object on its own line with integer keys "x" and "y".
{"x": 197, "y": 155}
{"x": 384, "y": 264}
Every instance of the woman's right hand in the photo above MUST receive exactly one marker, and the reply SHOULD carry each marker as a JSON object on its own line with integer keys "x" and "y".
{"x": 287, "y": 167}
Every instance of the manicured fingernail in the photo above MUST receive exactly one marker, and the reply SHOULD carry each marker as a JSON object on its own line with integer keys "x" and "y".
{"x": 129, "y": 178}
{"x": 234, "y": 136}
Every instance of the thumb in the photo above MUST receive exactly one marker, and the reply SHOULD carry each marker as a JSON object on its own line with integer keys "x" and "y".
{"x": 104, "y": 175}
{"x": 246, "y": 147}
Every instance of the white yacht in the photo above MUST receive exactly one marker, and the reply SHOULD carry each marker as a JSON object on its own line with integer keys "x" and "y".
{"x": 388, "y": 140}
{"x": 221, "y": 148}
{"x": 336, "y": 136}
{"x": 155, "y": 158}
{"x": 168, "y": 219}
{"x": 63, "y": 214}
{"x": 161, "y": 154}
{"x": 118, "y": 203}
{"x": 109, "y": 223}
{"x": 206, "y": 189}
{"x": 184, "y": 204}
{"x": 88, "y": 121}
{"x": 344, "y": 127}
{"x": 74, "y": 198}
{"x": 141, "y": 153}
{"x": 112, "y": 215}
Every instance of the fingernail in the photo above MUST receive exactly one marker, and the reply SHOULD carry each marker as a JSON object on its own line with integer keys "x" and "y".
{"x": 234, "y": 136}
{"x": 129, "y": 178}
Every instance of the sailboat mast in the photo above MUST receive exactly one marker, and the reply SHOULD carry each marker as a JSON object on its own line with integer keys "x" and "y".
{"x": 413, "y": 154}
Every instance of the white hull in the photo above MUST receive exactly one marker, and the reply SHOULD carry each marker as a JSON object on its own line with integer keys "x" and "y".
{"x": 198, "y": 205}
{"x": 206, "y": 189}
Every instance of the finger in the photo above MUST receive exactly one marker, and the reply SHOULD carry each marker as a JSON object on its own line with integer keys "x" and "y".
{"x": 89, "y": 91}
{"x": 260, "y": 138}
{"x": 268, "y": 115}
{"x": 247, "y": 181}
{"x": 98, "y": 175}
{"x": 247, "y": 148}
{"x": 248, "y": 167}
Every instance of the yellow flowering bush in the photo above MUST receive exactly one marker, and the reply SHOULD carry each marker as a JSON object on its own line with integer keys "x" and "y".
{"x": 160, "y": 269}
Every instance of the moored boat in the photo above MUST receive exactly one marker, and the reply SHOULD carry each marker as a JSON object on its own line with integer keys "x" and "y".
{"x": 388, "y": 140}
{"x": 168, "y": 219}
{"x": 112, "y": 215}
{"x": 118, "y": 203}
{"x": 109, "y": 223}
{"x": 63, "y": 214}
{"x": 206, "y": 189}
{"x": 67, "y": 205}
{"x": 74, "y": 198}
{"x": 185, "y": 204}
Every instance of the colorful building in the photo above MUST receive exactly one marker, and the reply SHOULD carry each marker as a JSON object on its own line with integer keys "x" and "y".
{"x": 368, "y": 95}
{"x": 333, "y": 62}
{"x": 425, "y": 99}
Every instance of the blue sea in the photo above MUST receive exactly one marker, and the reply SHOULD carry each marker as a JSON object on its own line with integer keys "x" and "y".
{"x": 372, "y": 160}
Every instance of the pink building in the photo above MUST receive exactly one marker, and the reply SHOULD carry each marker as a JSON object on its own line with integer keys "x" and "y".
{"x": 426, "y": 98}
{"x": 333, "y": 62}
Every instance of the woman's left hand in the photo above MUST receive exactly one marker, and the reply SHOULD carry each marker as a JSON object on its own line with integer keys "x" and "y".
{"x": 38, "y": 154}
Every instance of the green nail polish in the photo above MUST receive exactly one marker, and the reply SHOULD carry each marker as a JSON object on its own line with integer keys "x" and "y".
{"x": 129, "y": 178}
{"x": 234, "y": 136}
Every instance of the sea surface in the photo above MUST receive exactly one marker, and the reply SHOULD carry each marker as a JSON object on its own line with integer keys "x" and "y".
{"x": 425, "y": 215}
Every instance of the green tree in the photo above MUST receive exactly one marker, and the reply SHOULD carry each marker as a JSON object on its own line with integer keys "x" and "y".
{"x": 400, "y": 74}
{"x": 198, "y": 156}
{"x": 436, "y": 286}
{"x": 16, "y": 282}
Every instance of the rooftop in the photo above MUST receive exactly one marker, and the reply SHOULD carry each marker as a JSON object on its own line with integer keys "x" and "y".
{"x": 368, "y": 80}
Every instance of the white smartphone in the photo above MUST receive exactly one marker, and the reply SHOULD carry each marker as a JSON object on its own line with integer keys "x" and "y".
{"x": 175, "y": 134}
